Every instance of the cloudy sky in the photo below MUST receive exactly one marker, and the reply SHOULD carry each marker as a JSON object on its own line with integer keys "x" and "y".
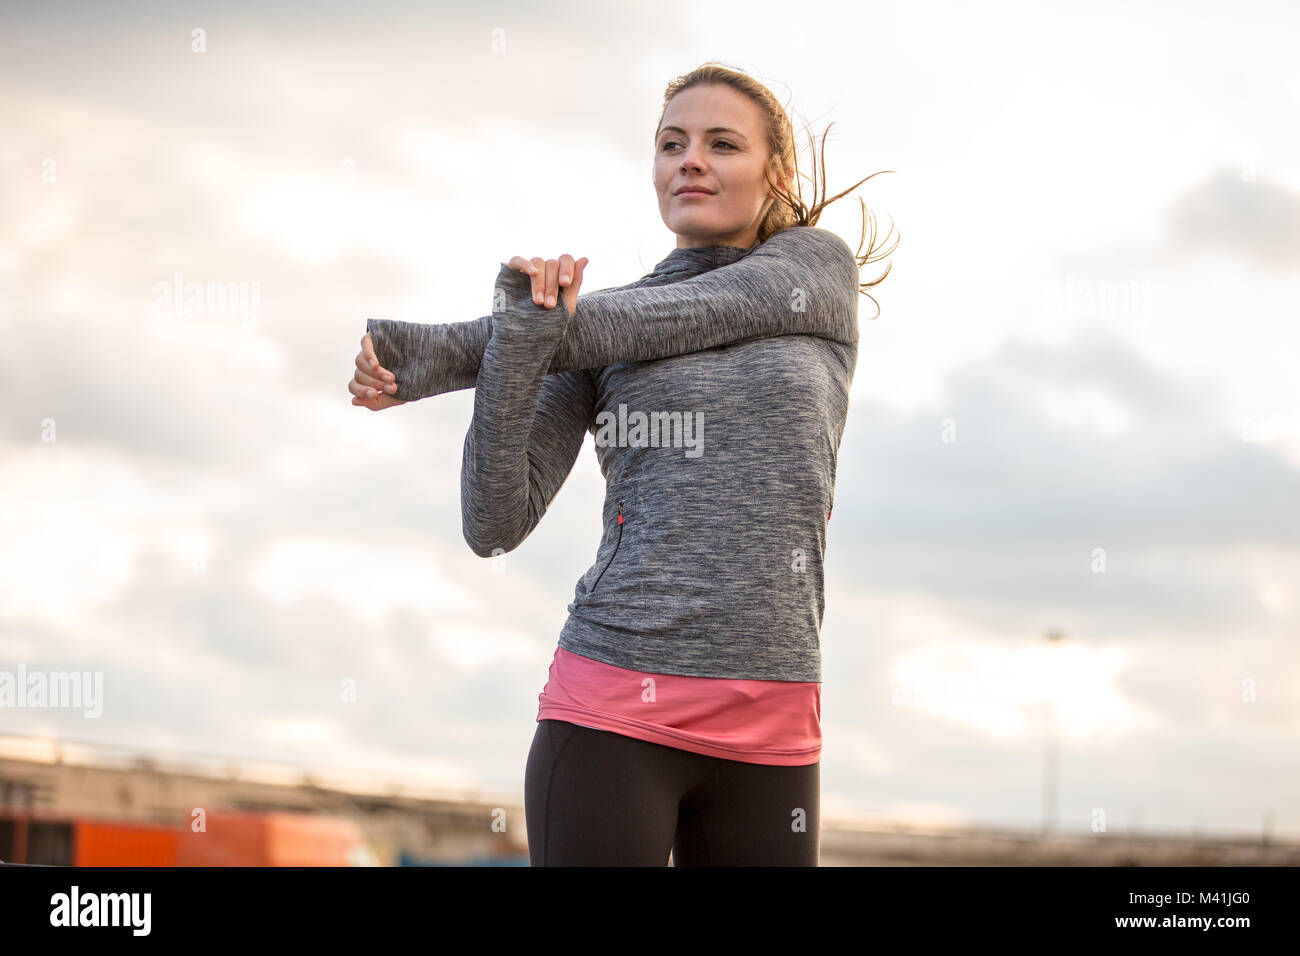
{"x": 1078, "y": 409}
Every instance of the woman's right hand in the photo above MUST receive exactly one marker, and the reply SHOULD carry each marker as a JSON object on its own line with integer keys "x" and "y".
{"x": 550, "y": 276}
{"x": 372, "y": 387}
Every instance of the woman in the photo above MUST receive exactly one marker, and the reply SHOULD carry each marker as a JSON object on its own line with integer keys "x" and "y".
{"x": 683, "y": 707}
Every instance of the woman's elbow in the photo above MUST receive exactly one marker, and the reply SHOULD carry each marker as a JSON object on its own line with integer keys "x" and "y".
{"x": 485, "y": 552}
{"x": 484, "y": 548}
{"x": 489, "y": 545}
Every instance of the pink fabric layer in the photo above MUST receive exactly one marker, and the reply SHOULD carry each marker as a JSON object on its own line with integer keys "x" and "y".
{"x": 753, "y": 721}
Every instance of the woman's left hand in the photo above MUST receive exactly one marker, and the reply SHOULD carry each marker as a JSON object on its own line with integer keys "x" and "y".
{"x": 372, "y": 386}
{"x": 550, "y": 275}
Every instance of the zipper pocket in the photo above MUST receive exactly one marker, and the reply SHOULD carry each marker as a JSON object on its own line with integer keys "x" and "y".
{"x": 616, "y": 544}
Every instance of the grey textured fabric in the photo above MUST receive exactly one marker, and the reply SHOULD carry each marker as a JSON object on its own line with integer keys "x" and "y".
{"x": 716, "y": 388}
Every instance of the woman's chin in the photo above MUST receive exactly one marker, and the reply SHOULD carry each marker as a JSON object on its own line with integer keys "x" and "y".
{"x": 696, "y": 222}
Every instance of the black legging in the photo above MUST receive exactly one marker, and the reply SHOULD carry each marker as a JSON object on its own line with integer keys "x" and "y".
{"x": 597, "y": 798}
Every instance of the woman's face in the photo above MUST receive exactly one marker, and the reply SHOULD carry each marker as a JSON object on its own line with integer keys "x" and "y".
{"x": 712, "y": 137}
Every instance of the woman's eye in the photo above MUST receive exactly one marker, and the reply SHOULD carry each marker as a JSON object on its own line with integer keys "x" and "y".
{"x": 721, "y": 142}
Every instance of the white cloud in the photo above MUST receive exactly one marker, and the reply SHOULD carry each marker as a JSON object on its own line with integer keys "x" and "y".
{"x": 371, "y": 578}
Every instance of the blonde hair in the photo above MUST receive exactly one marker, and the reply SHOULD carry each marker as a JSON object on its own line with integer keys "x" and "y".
{"x": 788, "y": 209}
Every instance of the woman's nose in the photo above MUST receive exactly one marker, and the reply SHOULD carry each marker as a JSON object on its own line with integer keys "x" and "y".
{"x": 693, "y": 160}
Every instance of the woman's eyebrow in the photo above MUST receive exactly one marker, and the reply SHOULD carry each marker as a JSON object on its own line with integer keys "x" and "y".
{"x": 711, "y": 129}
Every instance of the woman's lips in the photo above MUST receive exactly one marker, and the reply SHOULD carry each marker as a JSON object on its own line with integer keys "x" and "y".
{"x": 693, "y": 193}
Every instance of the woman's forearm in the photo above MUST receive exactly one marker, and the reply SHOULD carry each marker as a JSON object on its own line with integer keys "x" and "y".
{"x": 801, "y": 281}
{"x": 429, "y": 359}
{"x": 527, "y": 427}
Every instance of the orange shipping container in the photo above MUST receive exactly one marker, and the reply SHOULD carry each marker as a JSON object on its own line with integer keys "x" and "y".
{"x": 108, "y": 843}
{"x": 235, "y": 838}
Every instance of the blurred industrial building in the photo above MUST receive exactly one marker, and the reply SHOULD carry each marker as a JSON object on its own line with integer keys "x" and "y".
{"x": 75, "y": 804}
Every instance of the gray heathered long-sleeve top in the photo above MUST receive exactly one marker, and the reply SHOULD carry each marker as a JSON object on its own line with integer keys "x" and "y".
{"x": 737, "y": 363}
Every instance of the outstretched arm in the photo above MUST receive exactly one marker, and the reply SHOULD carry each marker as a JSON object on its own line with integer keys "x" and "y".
{"x": 801, "y": 281}
{"x": 527, "y": 427}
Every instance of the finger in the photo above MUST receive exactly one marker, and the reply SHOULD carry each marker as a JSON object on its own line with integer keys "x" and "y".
{"x": 368, "y": 351}
{"x": 552, "y": 282}
{"x": 571, "y": 291}
{"x": 539, "y": 279}
{"x": 365, "y": 368}
{"x": 368, "y": 362}
{"x": 566, "y": 269}
{"x": 361, "y": 390}
{"x": 520, "y": 264}
{"x": 369, "y": 381}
